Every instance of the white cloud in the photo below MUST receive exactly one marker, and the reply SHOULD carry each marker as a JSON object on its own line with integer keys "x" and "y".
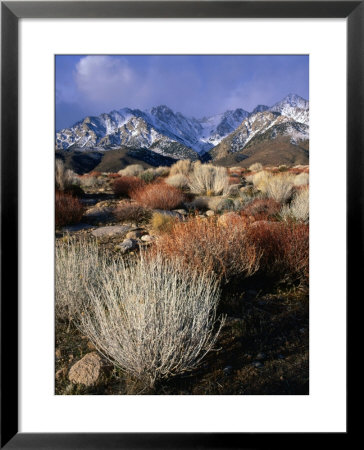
{"x": 103, "y": 78}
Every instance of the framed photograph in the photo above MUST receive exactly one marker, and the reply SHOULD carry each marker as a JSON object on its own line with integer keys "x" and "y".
{"x": 181, "y": 206}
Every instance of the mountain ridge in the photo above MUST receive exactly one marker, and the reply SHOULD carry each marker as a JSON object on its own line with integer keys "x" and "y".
{"x": 169, "y": 133}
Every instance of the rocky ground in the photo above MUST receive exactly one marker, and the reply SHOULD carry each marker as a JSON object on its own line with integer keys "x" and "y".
{"x": 263, "y": 348}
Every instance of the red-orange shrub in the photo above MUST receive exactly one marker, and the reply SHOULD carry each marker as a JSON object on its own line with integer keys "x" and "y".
{"x": 125, "y": 185}
{"x": 262, "y": 209}
{"x": 113, "y": 175}
{"x": 209, "y": 244}
{"x": 284, "y": 247}
{"x": 69, "y": 209}
{"x": 158, "y": 196}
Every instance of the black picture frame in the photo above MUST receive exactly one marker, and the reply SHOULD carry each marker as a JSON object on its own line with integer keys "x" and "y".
{"x": 11, "y": 12}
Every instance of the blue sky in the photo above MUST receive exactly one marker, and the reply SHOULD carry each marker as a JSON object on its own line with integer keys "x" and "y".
{"x": 194, "y": 85}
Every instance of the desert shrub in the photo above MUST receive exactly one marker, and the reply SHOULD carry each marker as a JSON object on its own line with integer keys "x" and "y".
{"x": 124, "y": 185}
{"x": 68, "y": 209}
{"x": 77, "y": 264}
{"x": 132, "y": 212}
{"x": 259, "y": 179}
{"x": 133, "y": 170}
{"x": 150, "y": 317}
{"x": 301, "y": 179}
{"x": 158, "y": 196}
{"x": 262, "y": 208}
{"x": 284, "y": 247}
{"x": 162, "y": 171}
{"x": 183, "y": 166}
{"x": 162, "y": 223}
{"x": 282, "y": 168}
{"x": 89, "y": 181}
{"x": 65, "y": 179}
{"x": 207, "y": 179}
{"x": 256, "y": 167}
{"x": 203, "y": 203}
{"x": 210, "y": 244}
{"x": 279, "y": 188}
{"x": 179, "y": 181}
{"x": 148, "y": 175}
{"x": 299, "y": 207}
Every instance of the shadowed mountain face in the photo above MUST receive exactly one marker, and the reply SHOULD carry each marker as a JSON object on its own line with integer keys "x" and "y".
{"x": 159, "y": 134}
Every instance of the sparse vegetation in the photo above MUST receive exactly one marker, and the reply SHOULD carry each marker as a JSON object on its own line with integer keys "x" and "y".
{"x": 144, "y": 292}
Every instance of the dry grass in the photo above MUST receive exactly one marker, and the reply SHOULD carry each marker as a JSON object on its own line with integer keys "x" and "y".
{"x": 158, "y": 196}
{"x": 301, "y": 179}
{"x": 124, "y": 185}
{"x": 162, "y": 223}
{"x": 151, "y": 318}
{"x": 209, "y": 244}
{"x": 77, "y": 265}
{"x": 68, "y": 209}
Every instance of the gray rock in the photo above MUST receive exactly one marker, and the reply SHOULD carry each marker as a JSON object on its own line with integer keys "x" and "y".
{"x": 135, "y": 234}
{"x": 260, "y": 356}
{"x": 78, "y": 227}
{"x": 127, "y": 245}
{"x": 111, "y": 231}
{"x": 210, "y": 212}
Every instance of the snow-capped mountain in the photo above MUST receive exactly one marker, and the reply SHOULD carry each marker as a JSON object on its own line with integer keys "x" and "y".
{"x": 267, "y": 125}
{"x": 173, "y": 135}
{"x": 293, "y": 106}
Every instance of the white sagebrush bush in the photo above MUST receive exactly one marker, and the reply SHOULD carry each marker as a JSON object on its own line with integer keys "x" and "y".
{"x": 208, "y": 179}
{"x": 279, "y": 188}
{"x": 299, "y": 208}
{"x": 77, "y": 264}
{"x": 162, "y": 171}
{"x": 133, "y": 170}
{"x": 150, "y": 317}
{"x": 179, "y": 180}
{"x": 301, "y": 179}
{"x": 256, "y": 167}
{"x": 65, "y": 178}
{"x": 182, "y": 166}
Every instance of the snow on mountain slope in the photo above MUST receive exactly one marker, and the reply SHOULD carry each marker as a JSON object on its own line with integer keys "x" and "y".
{"x": 174, "y": 135}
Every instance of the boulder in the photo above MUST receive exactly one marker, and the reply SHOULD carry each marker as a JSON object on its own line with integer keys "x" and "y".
{"x": 210, "y": 212}
{"x": 127, "y": 245}
{"x": 111, "y": 231}
{"x": 87, "y": 370}
{"x": 135, "y": 234}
